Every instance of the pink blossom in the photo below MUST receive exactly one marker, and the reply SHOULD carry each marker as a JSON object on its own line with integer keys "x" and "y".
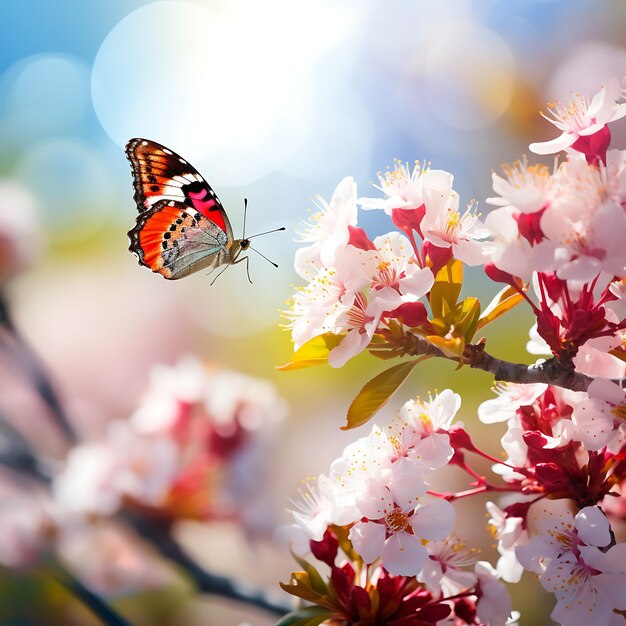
{"x": 509, "y": 250}
{"x": 494, "y": 603}
{"x": 582, "y": 248}
{"x": 390, "y": 264}
{"x": 359, "y": 319}
{"x": 510, "y": 532}
{"x": 395, "y": 522}
{"x": 445, "y": 569}
{"x": 328, "y": 230}
{"x": 526, "y": 188}
{"x": 416, "y": 430}
{"x": 97, "y": 476}
{"x": 571, "y": 557}
{"x": 582, "y": 118}
{"x": 594, "y": 416}
{"x": 408, "y": 189}
{"x": 510, "y": 398}
{"x": 368, "y": 457}
{"x": 314, "y": 308}
{"x": 446, "y": 227}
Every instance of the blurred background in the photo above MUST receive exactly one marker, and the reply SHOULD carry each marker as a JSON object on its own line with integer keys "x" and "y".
{"x": 275, "y": 101}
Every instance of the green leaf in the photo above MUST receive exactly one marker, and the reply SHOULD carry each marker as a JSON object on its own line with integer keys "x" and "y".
{"x": 452, "y": 345}
{"x": 317, "y": 582}
{"x": 376, "y": 393}
{"x": 300, "y": 585}
{"x": 466, "y": 318}
{"x": 308, "y": 616}
{"x": 313, "y": 352}
{"x": 503, "y": 302}
{"x": 446, "y": 290}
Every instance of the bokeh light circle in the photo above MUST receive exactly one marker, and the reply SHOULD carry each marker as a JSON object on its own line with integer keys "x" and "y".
{"x": 586, "y": 68}
{"x": 71, "y": 184}
{"x": 470, "y": 76}
{"x": 46, "y": 94}
{"x": 229, "y": 87}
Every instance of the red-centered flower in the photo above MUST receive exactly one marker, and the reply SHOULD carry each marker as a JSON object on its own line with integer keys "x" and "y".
{"x": 583, "y": 123}
{"x": 566, "y": 323}
{"x": 348, "y": 597}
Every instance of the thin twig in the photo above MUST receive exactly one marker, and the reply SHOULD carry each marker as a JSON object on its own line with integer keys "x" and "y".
{"x": 94, "y": 602}
{"x": 159, "y": 536}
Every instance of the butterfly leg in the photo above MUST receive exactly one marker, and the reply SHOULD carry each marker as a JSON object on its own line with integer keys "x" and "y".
{"x": 247, "y": 260}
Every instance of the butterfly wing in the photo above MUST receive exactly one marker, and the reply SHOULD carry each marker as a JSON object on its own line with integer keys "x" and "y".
{"x": 182, "y": 226}
{"x": 174, "y": 242}
{"x": 161, "y": 174}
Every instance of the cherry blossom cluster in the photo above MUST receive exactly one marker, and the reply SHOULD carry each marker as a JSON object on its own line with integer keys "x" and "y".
{"x": 396, "y": 538}
{"x": 562, "y": 229}
{"x": 565, "y": 454}
{"x": 197, "y": 447}
{"x": 556, "y": 240}
{"x": 357, "y": 286}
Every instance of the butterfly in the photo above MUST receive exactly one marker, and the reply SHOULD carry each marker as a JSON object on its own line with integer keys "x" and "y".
{"x": 182, "y": 226}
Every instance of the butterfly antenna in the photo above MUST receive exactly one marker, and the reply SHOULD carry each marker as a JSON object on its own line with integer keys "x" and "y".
{"x": 267, "y": 232}
{"x": 245, "y": 212}
{"x": 261, "y": 254}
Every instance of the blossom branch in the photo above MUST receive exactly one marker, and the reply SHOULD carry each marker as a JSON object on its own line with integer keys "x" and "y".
{"x": 98, "y": 606}
{"x": 30, "y": 363}
{"x": 159, "y": 536}
{"x": 551, "y": 371}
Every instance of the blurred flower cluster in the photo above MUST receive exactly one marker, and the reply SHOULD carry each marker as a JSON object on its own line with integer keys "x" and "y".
{"x": 20, "y": 236}
{"x": 197, "y": 447}
{"x": 557, "y": 232}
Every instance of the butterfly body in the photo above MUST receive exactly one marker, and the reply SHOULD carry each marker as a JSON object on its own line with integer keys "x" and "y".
{"x": 182, "y": 226}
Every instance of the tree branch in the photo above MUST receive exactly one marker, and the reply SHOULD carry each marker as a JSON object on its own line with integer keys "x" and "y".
{"x": 107, "y": 614}
{"x": 29, "y": 362}
{"x": 159, "y": 536}
{"x": 550, "y": 372}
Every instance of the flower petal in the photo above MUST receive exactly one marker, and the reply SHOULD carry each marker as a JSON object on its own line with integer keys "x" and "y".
{"x": 403, "y": 555}
{"x": 434, "y": 520}
{"x": 368, "y": 539}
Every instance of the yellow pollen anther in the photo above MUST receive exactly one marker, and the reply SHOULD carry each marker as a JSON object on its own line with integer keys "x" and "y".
{"x": 397, "y": 521}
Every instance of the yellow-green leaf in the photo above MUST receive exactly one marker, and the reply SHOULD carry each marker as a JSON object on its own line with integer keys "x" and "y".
{"x": 307, "y": 616}
{"x": 446, "y": 289}
{"x": 299, "y": 585}
{"x": 317, "y": 582}
{"x": 450, "y": 346}
{"x": 503, "y": 302}
{"x": 313, "y": 352}
{"x": 376, "y": 393}
{"x": 343, "y": 537}
{"x": 466, "y": 318}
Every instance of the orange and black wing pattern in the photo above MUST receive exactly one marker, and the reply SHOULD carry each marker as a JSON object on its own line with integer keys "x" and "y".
{"x": 182, "y": 226}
